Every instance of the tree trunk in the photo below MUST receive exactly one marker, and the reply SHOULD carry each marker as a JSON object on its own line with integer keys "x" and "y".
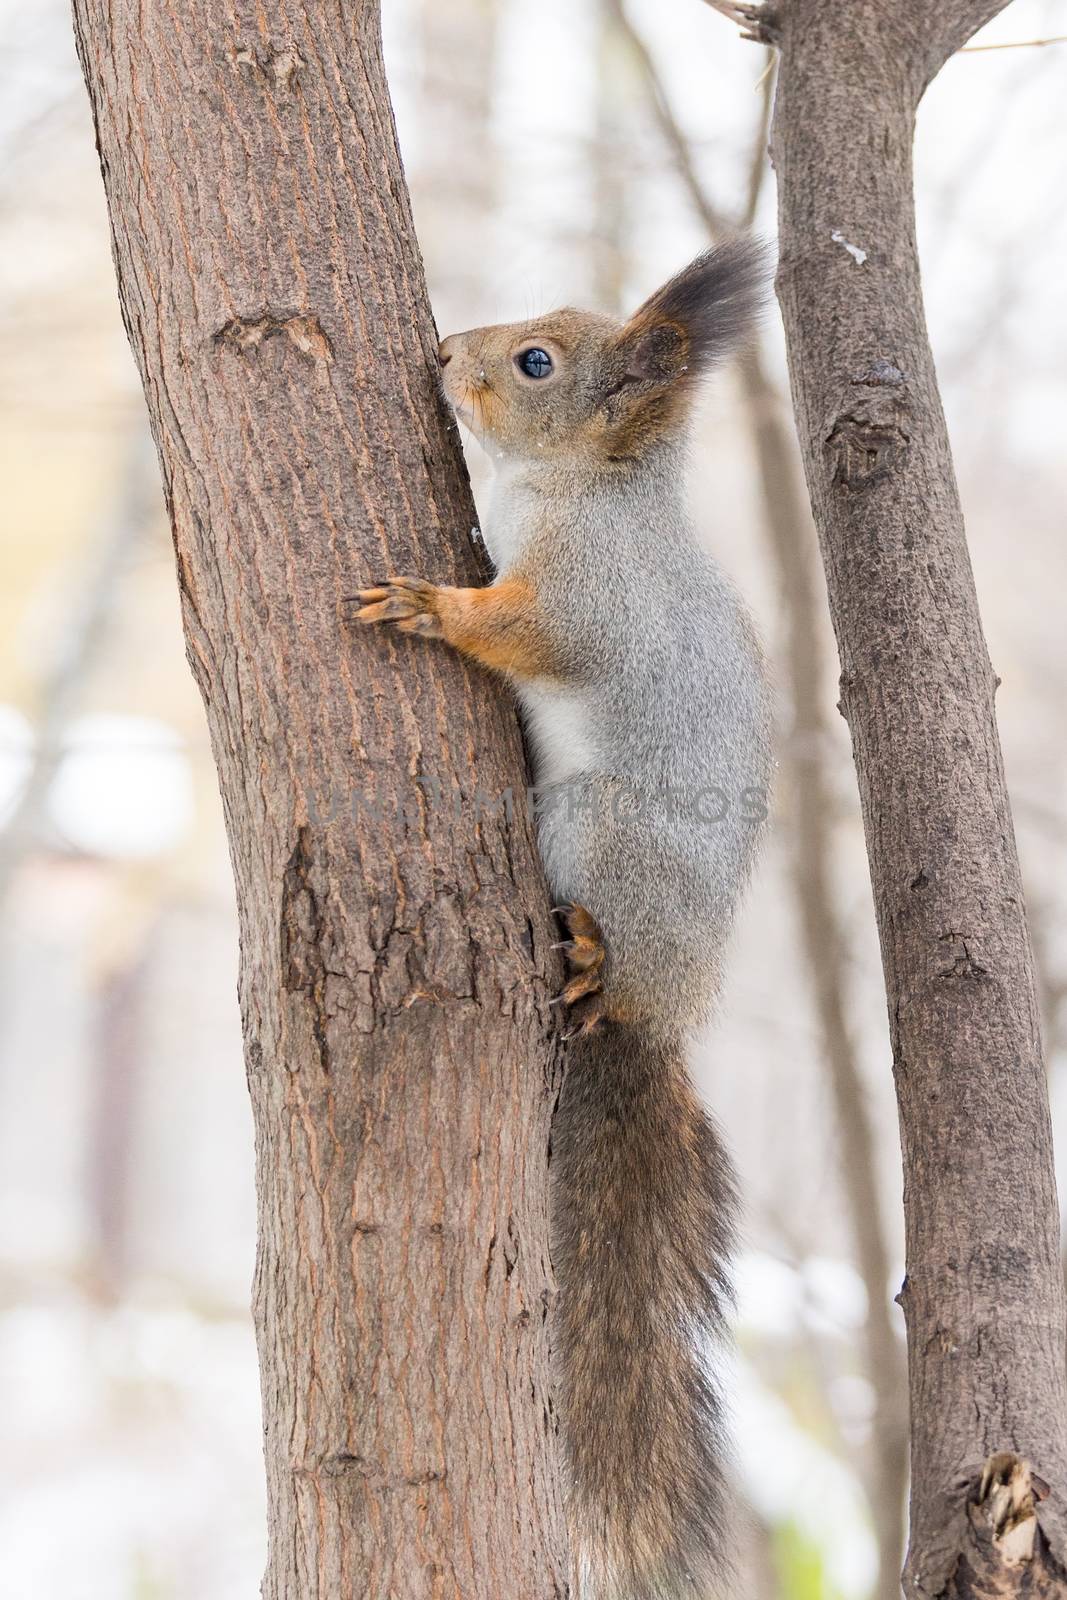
{"x": 983, "y": 1295}
{"x": 394, "y": 928}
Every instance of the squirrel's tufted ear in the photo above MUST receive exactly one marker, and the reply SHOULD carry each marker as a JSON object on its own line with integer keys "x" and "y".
{"x": 699, "y": 316}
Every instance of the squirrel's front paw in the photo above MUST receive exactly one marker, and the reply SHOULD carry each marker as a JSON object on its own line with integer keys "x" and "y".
{"x": 411, "y": 603}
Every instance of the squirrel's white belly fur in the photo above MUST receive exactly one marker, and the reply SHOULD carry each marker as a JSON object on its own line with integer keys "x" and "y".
{"x": 558, "y": 727}
{"x": 513, "y": 511}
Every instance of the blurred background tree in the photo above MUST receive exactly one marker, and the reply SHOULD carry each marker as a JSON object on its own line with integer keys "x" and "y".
{"x": 544, "y": 170}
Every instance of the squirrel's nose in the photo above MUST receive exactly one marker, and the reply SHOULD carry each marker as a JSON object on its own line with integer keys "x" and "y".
{"x": 444, "y": 352}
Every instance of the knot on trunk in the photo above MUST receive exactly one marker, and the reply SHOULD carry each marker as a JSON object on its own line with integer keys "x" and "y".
{"x": 1002, "y": 1543}
{"x": 1004, "y": 1511}
{"x": 275, "y": 67}
{"x": 870, "y": 435}
{"x": 297, "y": 330}
{"x": 963, "y": 963}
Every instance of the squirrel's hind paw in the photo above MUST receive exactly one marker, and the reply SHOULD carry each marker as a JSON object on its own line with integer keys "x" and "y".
{"x": 584, "y": 953}
{"x": 587, "y": 1016}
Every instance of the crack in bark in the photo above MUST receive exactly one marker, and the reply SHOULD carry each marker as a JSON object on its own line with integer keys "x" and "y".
{"x": 431, "y": 962}
{"x": 963, "y": 965}
{"x": 343, "y": 1463}
{"x": 300, "y": 330}
{"x": 275, "y": 68}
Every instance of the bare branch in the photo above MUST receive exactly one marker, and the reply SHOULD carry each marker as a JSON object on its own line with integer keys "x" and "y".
{"x": 945, "y": 28}
{"x": 714, "y": 220}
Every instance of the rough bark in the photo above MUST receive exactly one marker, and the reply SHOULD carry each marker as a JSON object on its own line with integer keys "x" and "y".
{"x": 983, "y": 1296}
{"x": 394, "y": 937}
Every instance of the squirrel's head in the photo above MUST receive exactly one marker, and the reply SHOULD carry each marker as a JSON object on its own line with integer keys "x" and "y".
{"x": 576, "y": 385}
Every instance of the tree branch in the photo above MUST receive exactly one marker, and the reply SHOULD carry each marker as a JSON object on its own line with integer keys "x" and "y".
{"x": 951, "y": 23}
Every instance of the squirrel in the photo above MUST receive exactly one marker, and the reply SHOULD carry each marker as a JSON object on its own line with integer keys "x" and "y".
{"x": 646, "y": 708}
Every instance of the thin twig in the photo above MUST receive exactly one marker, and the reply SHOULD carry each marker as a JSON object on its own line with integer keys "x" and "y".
{"x": 758, "y": 168}
{"x": 1014, "y": 44}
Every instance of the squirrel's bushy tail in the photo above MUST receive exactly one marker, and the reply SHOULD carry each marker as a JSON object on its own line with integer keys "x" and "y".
{"x": 643, "y": 1202}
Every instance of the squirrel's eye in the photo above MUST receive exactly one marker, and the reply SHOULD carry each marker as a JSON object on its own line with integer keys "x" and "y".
{"x": 535, "y": 363}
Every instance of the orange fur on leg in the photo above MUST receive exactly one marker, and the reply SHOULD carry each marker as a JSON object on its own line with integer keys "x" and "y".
{"x": 498, "y": 626}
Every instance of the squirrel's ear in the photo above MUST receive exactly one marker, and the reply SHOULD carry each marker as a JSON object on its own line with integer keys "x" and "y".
{"x": 699, "y": 316}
